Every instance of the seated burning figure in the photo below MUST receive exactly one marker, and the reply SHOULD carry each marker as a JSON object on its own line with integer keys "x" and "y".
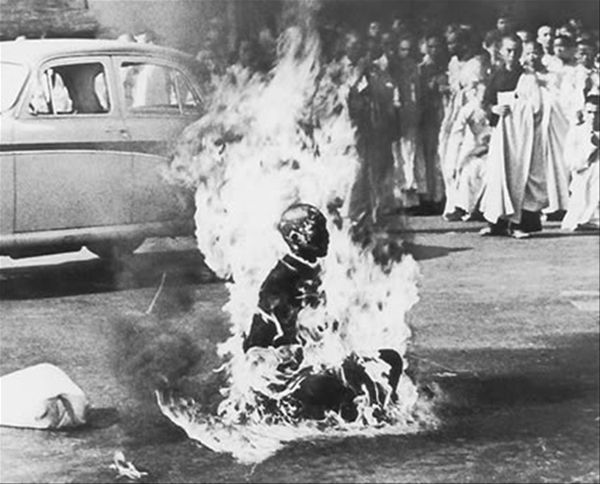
{"x": 293, "y": 285}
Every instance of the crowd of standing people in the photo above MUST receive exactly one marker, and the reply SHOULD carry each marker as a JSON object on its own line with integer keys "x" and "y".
{"x": 503, "y": 129}
{"x": 500, "y": 126}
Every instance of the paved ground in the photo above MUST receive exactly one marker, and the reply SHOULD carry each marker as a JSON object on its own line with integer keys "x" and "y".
{"x": 508, "y": 331}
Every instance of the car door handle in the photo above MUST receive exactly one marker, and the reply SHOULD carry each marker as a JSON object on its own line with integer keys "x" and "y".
{"x": 122, "y": 132}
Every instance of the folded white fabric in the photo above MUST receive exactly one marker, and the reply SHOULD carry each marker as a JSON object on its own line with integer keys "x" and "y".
{"x": 41, "y": 397}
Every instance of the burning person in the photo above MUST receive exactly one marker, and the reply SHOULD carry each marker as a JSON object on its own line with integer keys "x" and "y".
{"x": 294, "y": 282}
{"x": 306, "y": 356}
{"x": 293, "y": 285}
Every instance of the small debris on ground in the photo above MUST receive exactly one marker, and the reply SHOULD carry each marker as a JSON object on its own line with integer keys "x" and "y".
{"x": 126, "y": 468}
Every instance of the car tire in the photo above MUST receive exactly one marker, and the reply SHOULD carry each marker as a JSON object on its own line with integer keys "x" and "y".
{"x": 115, "y": 250}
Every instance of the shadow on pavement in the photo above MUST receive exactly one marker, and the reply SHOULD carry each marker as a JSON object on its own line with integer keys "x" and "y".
{"x": 424, "y": 252}
{"x": 564, "y": 371}
{"x": 101, "y": 418}
{"x": 553, "y": 235}
{"x": 515, "y": 394}
{"x": 135, "y": 272}
{"x": 441, "y": 230}
{"x": 93, "y": 276}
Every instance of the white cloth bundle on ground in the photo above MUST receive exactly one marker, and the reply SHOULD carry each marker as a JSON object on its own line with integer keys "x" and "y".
{"x": 41, "y": 397}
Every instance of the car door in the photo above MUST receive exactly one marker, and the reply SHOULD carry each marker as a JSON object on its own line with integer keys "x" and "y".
{"x": 7, "y": 179}
{"x": 13, "y": 77}
{"x": 159, "y": 99}
{"x": 73, "y": 166}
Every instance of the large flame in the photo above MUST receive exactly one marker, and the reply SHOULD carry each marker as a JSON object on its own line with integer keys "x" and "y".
{"x": 266, "y": 143}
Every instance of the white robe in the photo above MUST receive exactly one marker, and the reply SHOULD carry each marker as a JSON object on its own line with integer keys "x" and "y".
{"x": 469, "y": 146}
{"x": 463, "y": 183}
{"x": 573, "y": 100}
{"x": 515, "y": 174}
{"x": 584, "y": 202}
{"x": 555, "y": 126}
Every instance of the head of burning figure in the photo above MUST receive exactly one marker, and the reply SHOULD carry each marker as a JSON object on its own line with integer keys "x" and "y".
{"x": 304, "y": 229}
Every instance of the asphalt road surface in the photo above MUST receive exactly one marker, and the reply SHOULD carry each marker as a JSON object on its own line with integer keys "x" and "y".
{"x": 507, "y": 332}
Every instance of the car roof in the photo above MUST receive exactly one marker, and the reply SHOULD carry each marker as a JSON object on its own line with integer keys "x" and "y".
{"x": 30, "y": 51}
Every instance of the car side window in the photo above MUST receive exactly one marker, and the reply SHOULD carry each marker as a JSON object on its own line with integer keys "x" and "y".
{"x": 70, "y": 90}
{"x": 154, "y": 88}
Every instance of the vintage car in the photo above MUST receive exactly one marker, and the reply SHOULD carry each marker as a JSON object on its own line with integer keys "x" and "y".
{"x": 86, "y": 130}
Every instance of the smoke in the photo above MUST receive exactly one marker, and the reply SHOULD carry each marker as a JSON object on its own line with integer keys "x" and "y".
{"x": 150, "y": 353}
{"x": 169, "y": 346}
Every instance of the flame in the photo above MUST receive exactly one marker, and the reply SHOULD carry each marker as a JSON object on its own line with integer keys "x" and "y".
{"x": 266, "y": 143}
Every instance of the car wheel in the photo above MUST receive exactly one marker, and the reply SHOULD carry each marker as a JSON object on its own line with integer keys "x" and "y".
{"x": 115, "y": 250}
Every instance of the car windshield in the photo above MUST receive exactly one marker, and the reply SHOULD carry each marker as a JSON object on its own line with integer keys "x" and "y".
{"x": 12, "y": 77}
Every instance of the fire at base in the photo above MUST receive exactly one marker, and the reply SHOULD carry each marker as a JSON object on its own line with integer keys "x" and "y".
{"x": 266, "y": 144}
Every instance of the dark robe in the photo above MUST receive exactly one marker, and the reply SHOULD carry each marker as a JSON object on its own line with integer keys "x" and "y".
{"x": 372, "y": 112}
{"x": 433, "y": 76}
{"x": 290, "y": 286}
{"x": 501, "y": 80}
